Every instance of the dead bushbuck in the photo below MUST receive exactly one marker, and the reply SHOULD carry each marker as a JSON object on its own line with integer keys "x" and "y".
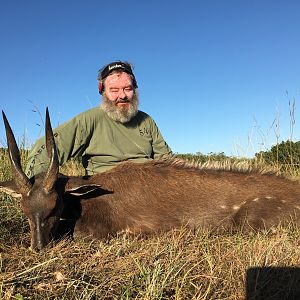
{"x": 145, "y": 198}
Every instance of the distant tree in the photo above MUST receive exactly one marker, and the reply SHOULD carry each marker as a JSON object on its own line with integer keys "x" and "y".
{"x": 205, "y": 157}
{"x": 285, "y": 153}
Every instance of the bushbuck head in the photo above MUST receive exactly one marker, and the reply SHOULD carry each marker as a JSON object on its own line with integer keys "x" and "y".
{"x": 40, "y": 198}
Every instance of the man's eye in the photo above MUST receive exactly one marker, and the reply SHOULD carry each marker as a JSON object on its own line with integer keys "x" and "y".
{"x": 114, "y": 90}
{"x": 128, "y": 89}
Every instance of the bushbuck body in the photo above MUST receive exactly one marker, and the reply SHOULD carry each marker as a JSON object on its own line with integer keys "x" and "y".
{"x": 149, "y": 197}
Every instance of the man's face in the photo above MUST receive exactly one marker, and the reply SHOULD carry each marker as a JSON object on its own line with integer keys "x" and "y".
{"x": 118, "y": 87}
{"x": 120, "y": 100}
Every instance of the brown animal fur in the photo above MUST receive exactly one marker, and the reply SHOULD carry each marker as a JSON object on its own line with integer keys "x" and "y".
{"x": 159, "y": 196}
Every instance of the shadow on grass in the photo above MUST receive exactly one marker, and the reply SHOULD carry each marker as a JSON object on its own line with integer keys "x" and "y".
{"x": 263, "y": 283}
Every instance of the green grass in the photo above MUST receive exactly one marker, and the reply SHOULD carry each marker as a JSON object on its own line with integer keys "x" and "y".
{"x": 178, "y": 264}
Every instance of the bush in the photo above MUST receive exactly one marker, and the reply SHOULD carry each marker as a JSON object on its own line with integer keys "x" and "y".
{"x": 204, "y": 157}
{"x": 286, "y": 154}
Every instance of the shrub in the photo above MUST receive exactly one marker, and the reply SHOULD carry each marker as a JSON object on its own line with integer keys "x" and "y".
{"x": 286, "y": 154}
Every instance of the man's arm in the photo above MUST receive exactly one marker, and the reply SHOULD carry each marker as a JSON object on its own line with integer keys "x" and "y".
{"x": 71, "y": 139}
{"x": 160, "y": 147}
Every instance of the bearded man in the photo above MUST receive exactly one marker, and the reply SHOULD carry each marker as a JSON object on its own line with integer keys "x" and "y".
{"x": 114, "y": 132}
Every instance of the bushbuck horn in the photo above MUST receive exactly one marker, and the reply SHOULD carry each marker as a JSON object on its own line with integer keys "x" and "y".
{"x": 52, "y": 171}
{"x": 21, "y": 180}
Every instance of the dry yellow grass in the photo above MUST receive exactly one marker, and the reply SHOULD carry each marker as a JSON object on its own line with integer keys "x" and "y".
{"x": 175, "y": 265}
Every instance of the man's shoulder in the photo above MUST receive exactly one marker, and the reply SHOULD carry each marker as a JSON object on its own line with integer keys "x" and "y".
{"x": 90, "y": 115}
{"x": 95, "y": 111}
{"x": 142, "y": 116}
{"x": 142, "y": 113}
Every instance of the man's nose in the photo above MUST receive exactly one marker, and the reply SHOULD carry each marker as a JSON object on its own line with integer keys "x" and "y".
{"x": 122, "y": 94}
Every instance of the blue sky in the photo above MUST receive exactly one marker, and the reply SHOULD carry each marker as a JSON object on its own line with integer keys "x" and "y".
{"x": 216, "y": 76}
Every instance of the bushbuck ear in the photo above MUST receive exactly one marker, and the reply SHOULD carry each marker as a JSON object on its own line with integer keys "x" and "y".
{"x": 79, "y": 186}
{"x": 10, "y": 188}
{"x": 83, "y": 190}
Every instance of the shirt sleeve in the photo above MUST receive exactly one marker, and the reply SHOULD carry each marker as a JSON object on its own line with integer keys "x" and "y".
{"x": 160, "y": 147}
{"x": 71, "y": 139}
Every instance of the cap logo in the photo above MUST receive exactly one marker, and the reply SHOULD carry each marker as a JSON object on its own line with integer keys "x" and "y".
{"x": 115, "y": 66}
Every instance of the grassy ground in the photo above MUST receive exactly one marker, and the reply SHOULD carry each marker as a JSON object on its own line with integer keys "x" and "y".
{"x": 175, "y": 265}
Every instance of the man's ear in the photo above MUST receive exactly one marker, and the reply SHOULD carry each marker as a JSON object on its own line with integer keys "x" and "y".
{"x": 9, "y": 188}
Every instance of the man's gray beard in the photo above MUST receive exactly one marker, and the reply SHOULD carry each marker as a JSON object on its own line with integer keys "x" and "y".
{"x": 122, "y": 114}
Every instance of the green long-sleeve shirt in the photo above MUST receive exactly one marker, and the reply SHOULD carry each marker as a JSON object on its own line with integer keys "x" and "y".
{"x": 101, "y": 142}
